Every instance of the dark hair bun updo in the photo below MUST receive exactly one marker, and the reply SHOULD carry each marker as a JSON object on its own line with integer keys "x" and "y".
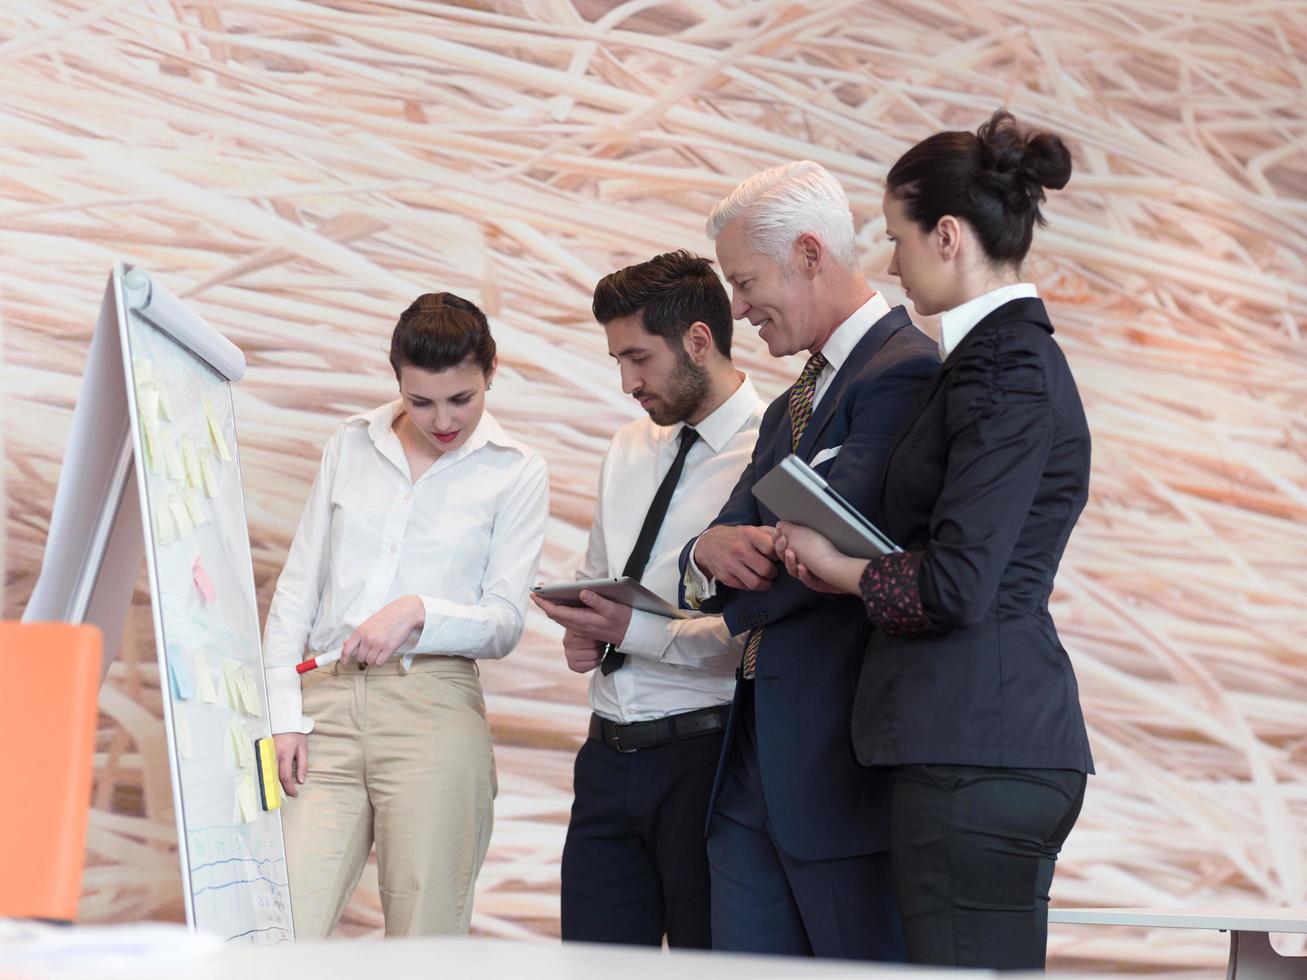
{"x": 994, "y": 179}
{"x": 440, "y": 331}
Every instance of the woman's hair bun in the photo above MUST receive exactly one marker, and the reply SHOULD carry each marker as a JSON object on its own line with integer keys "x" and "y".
{"x": 993, "y": 178}
{"x": 1032, "y": 157}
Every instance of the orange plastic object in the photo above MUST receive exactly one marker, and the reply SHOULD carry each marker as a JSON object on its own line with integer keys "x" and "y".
{"x": 51, "y": 680}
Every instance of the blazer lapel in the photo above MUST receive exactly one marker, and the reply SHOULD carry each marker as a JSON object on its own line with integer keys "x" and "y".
{"x": 915, "y": 410}
{"x": 877, "y": 335}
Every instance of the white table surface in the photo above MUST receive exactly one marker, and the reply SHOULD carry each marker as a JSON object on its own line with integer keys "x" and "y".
{"x": 1232, "y": 918}
{"x": 185, "y": 957}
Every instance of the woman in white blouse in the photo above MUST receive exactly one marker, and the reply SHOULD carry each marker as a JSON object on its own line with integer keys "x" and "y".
{"x": 413, "y": 558}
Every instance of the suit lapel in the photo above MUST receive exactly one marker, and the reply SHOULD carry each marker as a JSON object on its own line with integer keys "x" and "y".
{"x": 877, "y": 335}
{"x": 781, "y": 435}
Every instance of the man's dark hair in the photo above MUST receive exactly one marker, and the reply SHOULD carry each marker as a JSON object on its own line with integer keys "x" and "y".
{"x": 670, "y": 292}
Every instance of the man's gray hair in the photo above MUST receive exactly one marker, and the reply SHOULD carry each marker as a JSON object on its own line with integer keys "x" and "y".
{"x": 781, "y": 204}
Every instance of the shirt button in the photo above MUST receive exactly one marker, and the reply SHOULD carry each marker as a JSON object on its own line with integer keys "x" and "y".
{"x": 393, "y": 549}
{"x": 409, "y": 495}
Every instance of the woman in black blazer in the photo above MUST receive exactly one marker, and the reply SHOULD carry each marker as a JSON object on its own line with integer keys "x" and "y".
{"x": 965, "y": 690}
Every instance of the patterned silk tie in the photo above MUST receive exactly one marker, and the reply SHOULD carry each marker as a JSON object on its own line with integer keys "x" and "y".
{"x": 801, "y": 398}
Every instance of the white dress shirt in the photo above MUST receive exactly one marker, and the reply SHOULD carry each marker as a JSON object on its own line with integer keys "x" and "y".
{"x": 465, "y": 538}
{"x": 956, "y": 323}
{"x": 839, "y": 345}
{"x": 672, "y": 665}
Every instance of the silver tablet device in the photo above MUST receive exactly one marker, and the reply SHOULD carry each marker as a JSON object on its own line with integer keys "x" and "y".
{"x": 627, "y": 591}
{"x": 796, "y": 493}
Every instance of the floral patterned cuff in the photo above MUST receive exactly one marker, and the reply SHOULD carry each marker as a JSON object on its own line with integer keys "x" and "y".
{"x": 891, "y": 591}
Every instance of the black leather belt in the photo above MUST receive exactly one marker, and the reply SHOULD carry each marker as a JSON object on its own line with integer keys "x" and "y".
{"x": 649, "y": 734}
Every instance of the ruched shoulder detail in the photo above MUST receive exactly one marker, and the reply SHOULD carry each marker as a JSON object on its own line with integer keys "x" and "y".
{"x": 1004, "y": 366}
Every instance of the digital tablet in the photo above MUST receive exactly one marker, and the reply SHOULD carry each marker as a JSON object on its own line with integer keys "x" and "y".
{"x": 796, "y": 493}
{"x": 627, "y": 591}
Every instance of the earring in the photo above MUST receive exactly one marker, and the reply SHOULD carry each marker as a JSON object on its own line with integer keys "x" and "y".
{"x": 488, "y": 387}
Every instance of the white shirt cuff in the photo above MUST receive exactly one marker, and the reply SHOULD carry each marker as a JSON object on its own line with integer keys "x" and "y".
{"x": 698, "y": 586}
{"x": 285, "y": 706}
{"x": 647, "y": 635}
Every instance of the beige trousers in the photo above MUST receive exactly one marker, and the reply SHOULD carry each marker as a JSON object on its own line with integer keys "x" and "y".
{"x": 402, "y": 760}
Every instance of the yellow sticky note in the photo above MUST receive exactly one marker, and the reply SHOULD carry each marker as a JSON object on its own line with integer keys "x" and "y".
{"x": 172, "y": 460}
{"x": 165, "y": 405}
{"x": 181, "y": 730}
{"x": 231, "y": 688}
{"x": 149, "y": 436}
{"x": 147, "y": 400}
{"x": 244, "y": 745}
{"x": 239, "y": 748}
{"x": 165, "y": 530}
{"x": 193, "y": 508}
{"x": 192, "y": 462}
{"x": 249, "y": 693}
{"x": 206, "y": 473}
{"x": 231, "y": 751}
{"x": 247, "y": 798}
{"x": 204, "y": 680}
{"x": 215, "y": 433}
{"x": 231, "y": 676}
{"x": 183, "y": 519}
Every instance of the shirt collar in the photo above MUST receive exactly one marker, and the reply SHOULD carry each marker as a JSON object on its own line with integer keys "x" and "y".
{"x": 379, "y": 420}
{"x": 839, "y": 345}
{"x": 729, "y": 417}
{"x": 956, "y": 323}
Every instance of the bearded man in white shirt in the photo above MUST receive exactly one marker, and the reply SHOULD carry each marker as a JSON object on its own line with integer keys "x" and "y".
{"x": 635, "y": 865}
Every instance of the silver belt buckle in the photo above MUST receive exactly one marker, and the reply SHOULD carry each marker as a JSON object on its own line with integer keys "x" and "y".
{"x": 617, "y": 738}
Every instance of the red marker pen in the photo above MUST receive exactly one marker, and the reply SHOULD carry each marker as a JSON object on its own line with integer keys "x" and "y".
{"x": 325, "y": 660}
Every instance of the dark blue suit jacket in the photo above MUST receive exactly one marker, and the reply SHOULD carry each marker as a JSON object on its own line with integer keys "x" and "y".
{"x": 821, "y": 802}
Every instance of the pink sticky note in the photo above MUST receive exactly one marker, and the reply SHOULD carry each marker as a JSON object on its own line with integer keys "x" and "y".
{"x": 203, "y": 584}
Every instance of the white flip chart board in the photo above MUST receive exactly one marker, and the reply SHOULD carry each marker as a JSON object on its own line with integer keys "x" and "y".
{"x": 154, "y": 435}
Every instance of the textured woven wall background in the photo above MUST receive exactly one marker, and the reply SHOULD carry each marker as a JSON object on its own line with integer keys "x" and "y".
{"x": 298, "y": 171}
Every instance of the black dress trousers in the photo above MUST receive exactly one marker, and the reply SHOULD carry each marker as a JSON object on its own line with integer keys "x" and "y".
{"x": 973, "y": 851}
{"x": 635, "y": 863}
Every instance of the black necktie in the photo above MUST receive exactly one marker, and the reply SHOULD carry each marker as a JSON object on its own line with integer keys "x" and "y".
{"x": 653, "y": 522}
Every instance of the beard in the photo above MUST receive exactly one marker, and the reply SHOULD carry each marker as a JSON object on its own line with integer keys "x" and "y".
{"x": 686, "y": 390}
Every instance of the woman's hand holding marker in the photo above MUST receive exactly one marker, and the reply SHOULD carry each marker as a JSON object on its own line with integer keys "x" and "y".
{"x": 379, "y": 636}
